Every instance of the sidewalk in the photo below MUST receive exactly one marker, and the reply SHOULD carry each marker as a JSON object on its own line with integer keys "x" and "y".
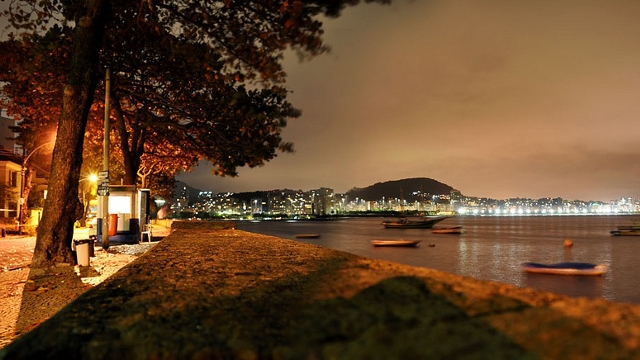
{"x": 205, "y": 293}
{"x": 25, "y": 301}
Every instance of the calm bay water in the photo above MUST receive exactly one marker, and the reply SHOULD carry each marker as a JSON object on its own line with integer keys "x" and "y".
{"x": 493, "y": 248}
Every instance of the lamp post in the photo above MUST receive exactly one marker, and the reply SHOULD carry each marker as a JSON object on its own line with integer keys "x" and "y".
{"x": 103, "y": 188}
{"x": 22, "y": 200}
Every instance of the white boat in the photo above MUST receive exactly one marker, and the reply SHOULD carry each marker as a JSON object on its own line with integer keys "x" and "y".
{"x": 565, "y": 268}
{"x": 454, "y": 230}
{"x": 395, "y": 242}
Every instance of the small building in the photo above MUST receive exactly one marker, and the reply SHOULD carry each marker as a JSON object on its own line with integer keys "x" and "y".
{"x": 129, "y": 212}
{"x": 10, "y": 183}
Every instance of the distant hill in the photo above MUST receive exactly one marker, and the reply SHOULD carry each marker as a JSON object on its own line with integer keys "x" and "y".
{"x": 250, "y": 195}
{"x": 409, "y": 189}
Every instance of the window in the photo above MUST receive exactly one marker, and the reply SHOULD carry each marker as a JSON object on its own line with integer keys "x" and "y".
{"x": 13, "y": 181}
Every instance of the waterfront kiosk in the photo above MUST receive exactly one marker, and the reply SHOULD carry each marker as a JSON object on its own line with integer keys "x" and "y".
{"x": 128, "y": 213}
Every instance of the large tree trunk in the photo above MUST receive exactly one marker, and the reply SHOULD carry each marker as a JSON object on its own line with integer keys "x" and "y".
{"x": 53, "y": 244}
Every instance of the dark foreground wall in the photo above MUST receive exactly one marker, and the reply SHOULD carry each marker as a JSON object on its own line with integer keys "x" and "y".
{"x": 204, "y": 293}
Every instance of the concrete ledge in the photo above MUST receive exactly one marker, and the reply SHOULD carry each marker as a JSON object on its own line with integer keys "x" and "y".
{"x": 232, "y": 294}
{"x": 203, "y": 225}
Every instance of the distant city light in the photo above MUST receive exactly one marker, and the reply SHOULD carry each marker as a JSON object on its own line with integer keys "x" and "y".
{"x": 321, "y": 202}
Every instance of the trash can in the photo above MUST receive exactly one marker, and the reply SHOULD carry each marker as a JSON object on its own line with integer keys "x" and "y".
{"x": 83, "y": 251}
{"x": 113, "y": 224}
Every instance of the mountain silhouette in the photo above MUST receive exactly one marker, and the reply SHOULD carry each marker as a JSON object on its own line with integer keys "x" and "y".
{"x": 413, "y": 189}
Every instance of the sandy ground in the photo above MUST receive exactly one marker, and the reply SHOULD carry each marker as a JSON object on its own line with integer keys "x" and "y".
{"x": 47, "y": 294}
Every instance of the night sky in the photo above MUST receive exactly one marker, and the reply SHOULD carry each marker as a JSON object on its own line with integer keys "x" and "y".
{"x": 497, "y": 98}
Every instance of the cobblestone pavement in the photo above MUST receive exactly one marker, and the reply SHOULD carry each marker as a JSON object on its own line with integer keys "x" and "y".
{"x": 47, "y": 295}
{"x": 204, "y": 293}
{"x": 15, "y": 256}
{"x": 16, "y": 252}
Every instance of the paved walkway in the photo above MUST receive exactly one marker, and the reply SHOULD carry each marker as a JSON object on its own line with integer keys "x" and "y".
{"x": 206, "y": 293}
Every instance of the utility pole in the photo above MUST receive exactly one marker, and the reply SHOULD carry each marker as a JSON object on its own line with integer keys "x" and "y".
{"x": 103, "y": 187}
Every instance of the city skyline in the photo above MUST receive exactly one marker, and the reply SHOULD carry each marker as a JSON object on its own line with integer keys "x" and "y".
{"x": 496, "y": 98}
{"x": 324, "y": 201}
{"x": 631, "y": 199}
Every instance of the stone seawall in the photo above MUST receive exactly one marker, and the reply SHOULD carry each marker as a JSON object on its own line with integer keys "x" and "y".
{"x": 224, "y": 293}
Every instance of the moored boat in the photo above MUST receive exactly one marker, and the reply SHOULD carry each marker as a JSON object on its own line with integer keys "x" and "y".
{"x": 307, "y": 236}
{"x": 395, "y": 242}
{"x": 565, "y": 268}
{"x": 453, "y": 230}
{"x": 425, "y": 223}
{"x": 628, "y": 230}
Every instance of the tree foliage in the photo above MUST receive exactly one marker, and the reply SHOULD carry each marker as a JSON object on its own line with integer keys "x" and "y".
{"x": 35, "y": 68}
{"x": 34, "y": 102}
{"x": 192, "y": 80}
{"x": 205, "y": 77}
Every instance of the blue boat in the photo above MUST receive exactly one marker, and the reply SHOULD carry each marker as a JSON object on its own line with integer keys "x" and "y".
{"x": 565, "y": 268}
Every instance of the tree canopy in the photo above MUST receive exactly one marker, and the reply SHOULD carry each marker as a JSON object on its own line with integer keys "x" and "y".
{"x": 192, "y": 80}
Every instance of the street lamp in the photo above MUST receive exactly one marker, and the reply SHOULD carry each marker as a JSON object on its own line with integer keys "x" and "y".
{"x": 91, "y": 178}
{"x": 22, "y": 182}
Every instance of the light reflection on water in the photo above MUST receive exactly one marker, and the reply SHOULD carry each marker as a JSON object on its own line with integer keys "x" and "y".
{"x": 493, "y": 248}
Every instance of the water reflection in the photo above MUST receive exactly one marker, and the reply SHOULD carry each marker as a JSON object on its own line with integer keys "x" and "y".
{"x": 493, "y": 248}
{"x": 589, "y": 286}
